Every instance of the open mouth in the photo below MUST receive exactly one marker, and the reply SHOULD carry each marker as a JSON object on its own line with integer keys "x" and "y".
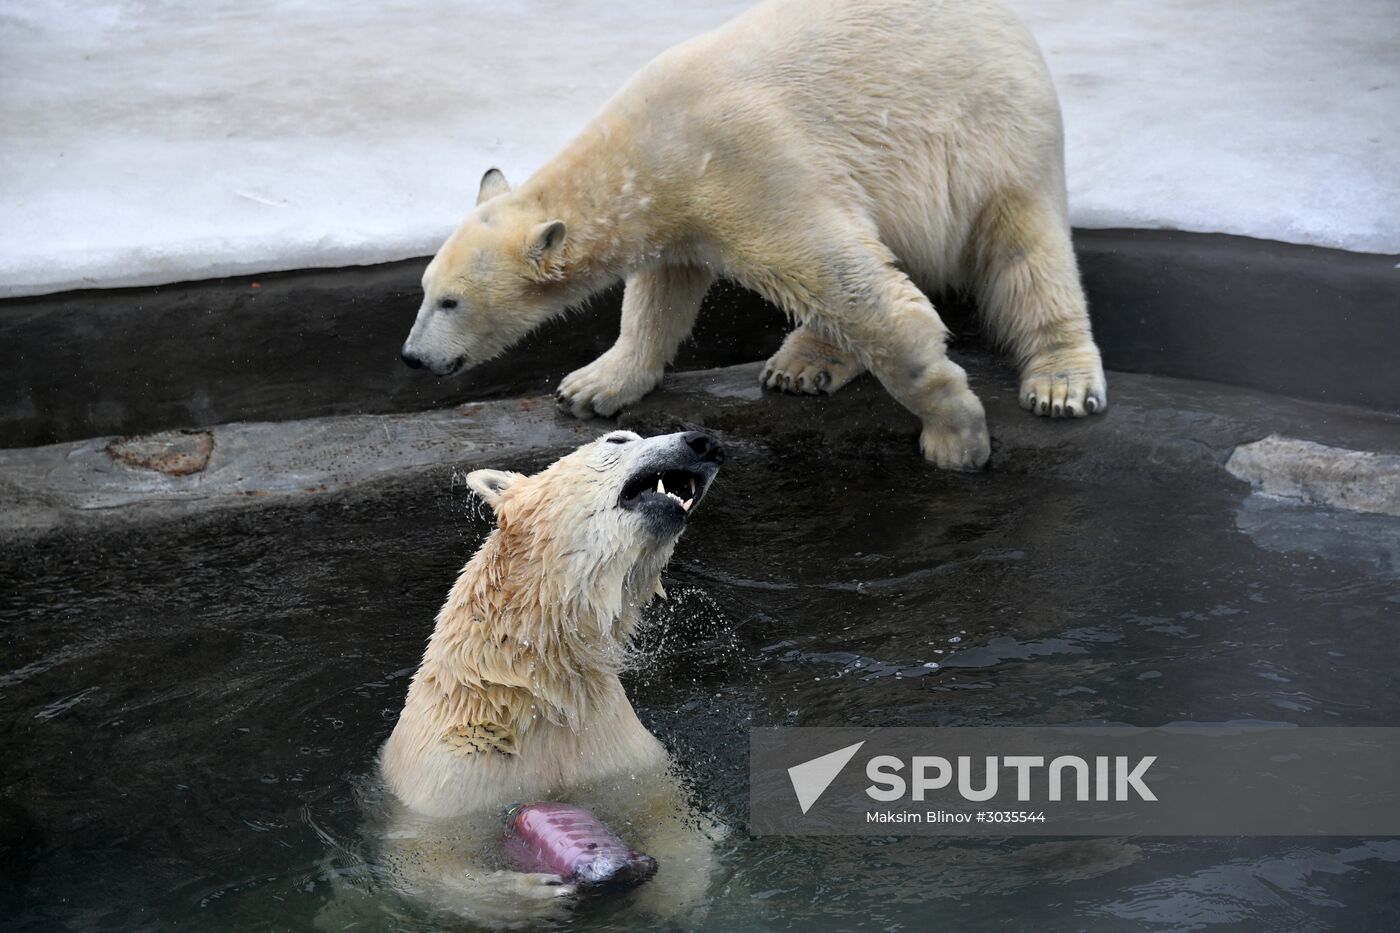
{"x": 682, "y": 488}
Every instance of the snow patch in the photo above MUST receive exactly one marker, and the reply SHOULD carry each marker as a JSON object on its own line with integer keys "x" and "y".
{"x": 150, "y": 142}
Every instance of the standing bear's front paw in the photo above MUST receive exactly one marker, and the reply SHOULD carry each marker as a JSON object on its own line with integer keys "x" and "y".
{"x": 957, "y": 439}
{"x": 606, "y": 386}
{"x": 1065, "y": 384}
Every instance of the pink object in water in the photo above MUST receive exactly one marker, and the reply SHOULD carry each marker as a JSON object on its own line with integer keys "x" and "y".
{"x": 571, "y": 842}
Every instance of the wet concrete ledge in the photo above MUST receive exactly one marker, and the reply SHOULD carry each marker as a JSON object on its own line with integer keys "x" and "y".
{"x": 1156, "y": 429}
{"x": 1299, "y": 321}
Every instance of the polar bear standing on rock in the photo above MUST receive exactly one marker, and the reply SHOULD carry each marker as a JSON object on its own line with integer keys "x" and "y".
{"x": 829, "y": 155}
{"x": 518, "y": 697}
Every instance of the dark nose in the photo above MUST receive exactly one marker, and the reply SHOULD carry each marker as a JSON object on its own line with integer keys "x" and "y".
{"x": 705, "y": 447}
{"x": 409, "y": 360}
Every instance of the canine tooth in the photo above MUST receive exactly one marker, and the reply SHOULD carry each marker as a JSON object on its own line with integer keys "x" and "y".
{"x": 660, "y": 485}
{"x": 692, "y": 486}
{"x": 687, "y": 504}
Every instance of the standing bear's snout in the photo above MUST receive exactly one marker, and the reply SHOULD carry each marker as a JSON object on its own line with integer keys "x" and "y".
{"x": 413, "y": 359}
{"x": 410, "y": 360}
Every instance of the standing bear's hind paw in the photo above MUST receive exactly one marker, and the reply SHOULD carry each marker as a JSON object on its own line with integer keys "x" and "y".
{"x": 809, "y": 365}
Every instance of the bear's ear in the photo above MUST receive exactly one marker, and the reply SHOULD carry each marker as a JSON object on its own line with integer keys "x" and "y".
{"x": 545, "y": 244}
{"x": 489, "y": 484}
{"x": 492, "y": 184}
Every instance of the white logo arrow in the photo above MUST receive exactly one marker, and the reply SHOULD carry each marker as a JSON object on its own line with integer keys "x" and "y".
{"x": 811, "y": 778}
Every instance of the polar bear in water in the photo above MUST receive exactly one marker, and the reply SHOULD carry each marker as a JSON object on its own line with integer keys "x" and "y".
{"x": 518, "y": 697}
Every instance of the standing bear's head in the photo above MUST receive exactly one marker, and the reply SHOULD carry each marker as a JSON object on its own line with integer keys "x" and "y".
{"x": 498, "y": 277}
{"x": 589, "y": 535}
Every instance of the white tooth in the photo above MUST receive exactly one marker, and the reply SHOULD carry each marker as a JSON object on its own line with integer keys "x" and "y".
{"x": 687, "y": 504}
{"x": 660, "y": 486}
{"x": 692, "y": 486}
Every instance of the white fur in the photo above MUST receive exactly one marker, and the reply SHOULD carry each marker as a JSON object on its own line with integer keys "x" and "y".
{"x": 518, "y": 696}
{"x": 828, "y": 154}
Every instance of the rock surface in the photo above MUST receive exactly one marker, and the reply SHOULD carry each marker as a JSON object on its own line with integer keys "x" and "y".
{"x": 1154, "y": 426}
{"x": 1316, "y": 474}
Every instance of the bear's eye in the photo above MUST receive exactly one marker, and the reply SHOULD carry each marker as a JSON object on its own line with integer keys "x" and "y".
{"x": 618, "y": 439}
{"x": 447, "y": 304}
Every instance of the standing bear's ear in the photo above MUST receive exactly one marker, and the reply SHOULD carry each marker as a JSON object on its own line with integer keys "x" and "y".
{"x": 545, "y": 245}
{"x": 490, "y": 484}
{"x": 492, "y": 184}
